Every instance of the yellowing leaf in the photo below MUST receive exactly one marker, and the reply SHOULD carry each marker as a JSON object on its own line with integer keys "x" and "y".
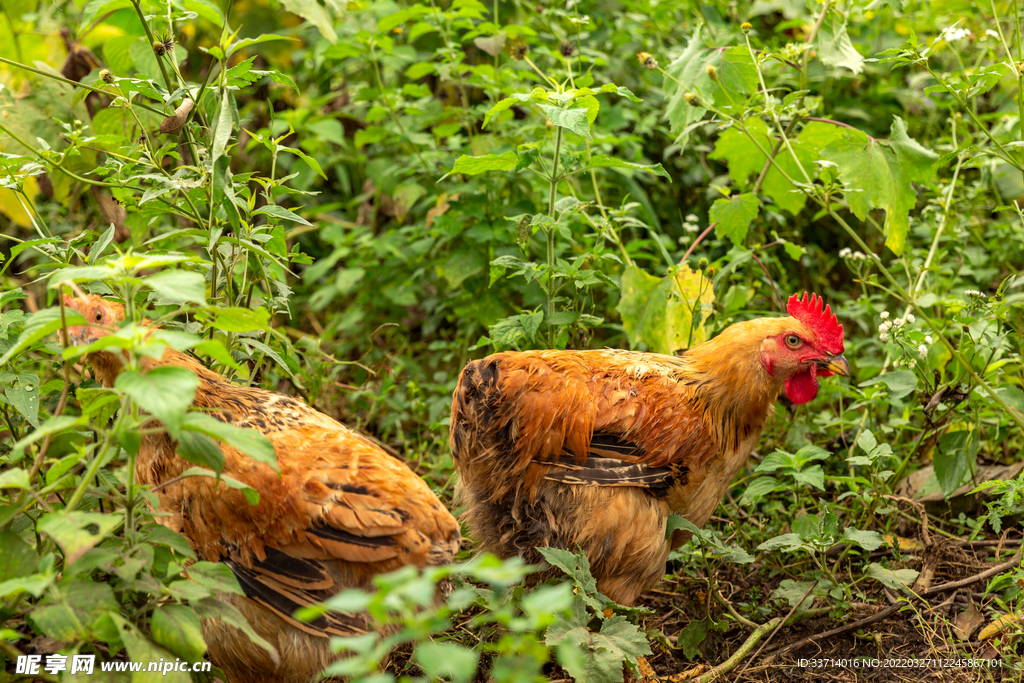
{"x": 667, "y": 314}
{"x": 12, "y": 208}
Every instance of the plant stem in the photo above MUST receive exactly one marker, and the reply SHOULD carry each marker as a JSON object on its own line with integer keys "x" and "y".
{"x": 553, "y": 178}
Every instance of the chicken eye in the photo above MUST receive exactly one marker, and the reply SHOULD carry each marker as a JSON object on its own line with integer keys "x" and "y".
{"x": 793, "y": 341}
{"x": 99, "y": 316}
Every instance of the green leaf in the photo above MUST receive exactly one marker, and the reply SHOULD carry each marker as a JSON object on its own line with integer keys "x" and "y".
{"x": 140, "y": 649}
{"x": 758, "y": 489}
{"x": 899, "y": 579}
{"x": 178, "y": 286}
{"x": 691, "y": 637}
{"x": 15, "y": 478}
{"x": 955, "y": 459}
{"x": 248, "y": 441}
{"x": 734, "y": 215}
{"x": 574, "y": 119}
{"x": 488, "y": 162}
{"x": 51, "y": 426}
{"x": 792, "y": 591}
{"x": 251, "y": 494}
{"x": 323, "y": 16}
{"x": 868, "y": 540}
{"x": 603, "y": 160}
{"x": 233, "y": 319}
{"x": 835, "y": 47}
{"x": 163, "y": 392}
{"x": 75, "y": 532}
{"x": 212, "y": 608}
{"x": 176, "y": 627}
{"x": 309, "y": 161}
{"x": 879, "y": 175}
{"x": 216, "y": 576}
{"x": 736, "y": 81}
{"x": 23, "y": 393}
{"x": 17, "y": 558}
{"x": 201, "y": 450}
{"x": 899, "y": 382}
{"x": 41, "y": 324}
{"x": 785, "y": 541}
{"x": 248, "y": 42}
{"x": 446, "y": 661}
{"x": 281, "y": 212}
{"x": 659, "y": 311}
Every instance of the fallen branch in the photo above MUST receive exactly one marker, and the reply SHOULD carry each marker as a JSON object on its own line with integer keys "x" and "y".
{"x": 879, "y": 616}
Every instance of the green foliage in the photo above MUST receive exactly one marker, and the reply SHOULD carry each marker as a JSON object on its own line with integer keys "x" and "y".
{"x": 360, "y": 197}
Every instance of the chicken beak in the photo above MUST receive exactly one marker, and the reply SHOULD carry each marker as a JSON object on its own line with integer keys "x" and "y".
{"x": 837, "y": 365}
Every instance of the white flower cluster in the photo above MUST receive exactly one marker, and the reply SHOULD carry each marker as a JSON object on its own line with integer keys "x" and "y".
{"x": 889, "y": 325}
{"x": 989, "y": 33}
{"x": 954, "y": 33}
{"x": 690, "y": 223}
{"x": 973, "y": 292}
{"x": 846, "y": 252}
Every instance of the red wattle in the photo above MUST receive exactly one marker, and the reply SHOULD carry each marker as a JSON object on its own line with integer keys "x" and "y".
{"x": 803, "y": 387}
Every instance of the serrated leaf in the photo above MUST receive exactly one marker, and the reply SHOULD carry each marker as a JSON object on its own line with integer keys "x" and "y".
{"x": 660, "y": 311}
{"x": 249, "y": 441}
{"x": 879, "y": 175}
{"x": 734, "y": 216}
{"x": 899, "y": 579}
{"x": 574, "y": 119}
{"x": 488, "y": 162}
{"x": 176, "y": 627}
{"x": 163, "y": 392}
{"x": 602, "y": 161}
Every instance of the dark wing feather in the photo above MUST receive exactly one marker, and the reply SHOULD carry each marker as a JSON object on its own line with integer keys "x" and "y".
{"x": 613, "y": 461}
{"x": 283, "y": 584}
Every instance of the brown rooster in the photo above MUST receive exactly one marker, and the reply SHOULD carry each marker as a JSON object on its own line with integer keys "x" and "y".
{"x": 595, "y": 449}
{"x": 341, "y": 511}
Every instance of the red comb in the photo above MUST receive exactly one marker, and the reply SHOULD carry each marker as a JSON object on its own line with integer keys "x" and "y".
{"x": 813, "y": 313}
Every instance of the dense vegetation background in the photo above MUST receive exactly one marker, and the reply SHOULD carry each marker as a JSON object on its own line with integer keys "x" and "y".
{"x": 346, "y": 201}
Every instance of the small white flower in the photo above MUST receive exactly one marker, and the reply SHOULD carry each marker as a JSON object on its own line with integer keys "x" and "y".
{"x": 886, "y": 326}
{"x": 928, "y": 339}
{"x": 691, "y": 218}
{"x": 910, "y": 317}
{"x": 883, "y": 315}
{"x": 845, "y": 252}
{"x": 922, "y": 350}
{"x": 897, "y": 322}
{"x": 883, "y": 336}
{"x": 973, "y": 292}
{"x": 691, "y": 227}
{"x": 859, "y": 256}
{"x": 990, "y": 33}
{"x": 955, "y": 33}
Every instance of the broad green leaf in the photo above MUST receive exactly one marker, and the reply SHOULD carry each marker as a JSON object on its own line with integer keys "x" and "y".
{"x": 232, "y": 319}
{"x": 140, "y": 649}
{"x": 17, "y": 558}
{"x": 446, "y": 661}
{"x": 734, "y": 215}
{"x": 868, "y": 540}
{"x": 692, "y": 636}
{"x": 571, "y": 119}
{"x": 603, "y": 160}
{"x": 75, "y": 532}
{"x": 178, "y": 286}
{"x": 667, "y": 314}
{"x": 281, "y": 212}
{"x": 176, "y": 627}
{"x": 163, "y": 392}
{"x": 22, "y": 392}
{"x": 955, "y": 457}
{"x": 41, "y": 324}
{"x": 898, "y": 579}
{"x": 879, "y": 175}
{"x": 201, "y": 450}
{"x": 793, "y": 591}
{"x": 248, "y": 441}
{"x": 310, "y": 161}
{"x": 758, "y": 489}
{"x": 746, "y": 161}
{"x": 322, "y": 15}
{"x": 52, "y": 426}
{"x": 15, "y": 478}
{"x": 489, "y": 162}
{"x": 216, "y": 576}
{"x": 835, "y": 47}
{"x": 248, "y": 42}
{"x": 899, "y": 382}
{"x": 688, "y": 74}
